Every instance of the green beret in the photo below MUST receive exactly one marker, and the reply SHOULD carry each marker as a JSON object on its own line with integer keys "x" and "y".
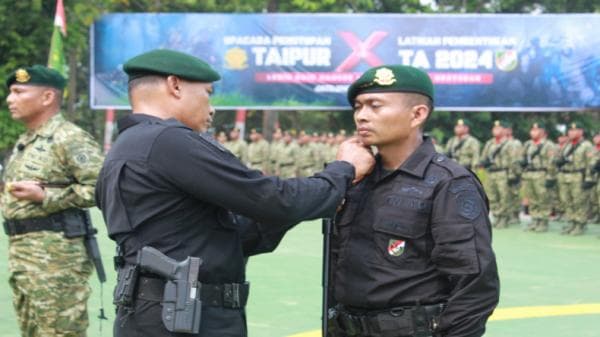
{"x": 538, "y": 125}
{"x": 170, "y": 62}
{"x": 392, "y": 78}
{"x": 37, "y": 75}
{"x": 462, "y": 121}
{"x": 502, "y": 123}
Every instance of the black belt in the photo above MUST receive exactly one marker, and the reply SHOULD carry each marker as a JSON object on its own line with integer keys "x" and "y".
{"x": 571, "y": 171}
{"x": 535, "y": 170}
{"x": 401, "y": 320}
{"x": 496, "y": 169}
{"x": 53, "y": 222}
{"x": 288, "y": 164}
{"x": 228, "y": 295}
{"x": 256, "y": 163}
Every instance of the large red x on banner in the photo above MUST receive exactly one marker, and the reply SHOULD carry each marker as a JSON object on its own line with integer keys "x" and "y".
{"x": 361, "y": 50}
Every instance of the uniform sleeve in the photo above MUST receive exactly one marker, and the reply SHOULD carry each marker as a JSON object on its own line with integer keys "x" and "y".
{"x": 203, "y": 170}
{"x": 81, "y": 159}
{"x": 463, "y": 252}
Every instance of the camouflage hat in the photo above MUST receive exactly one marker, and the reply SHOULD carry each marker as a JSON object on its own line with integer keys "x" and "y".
{"x": 37, "y": 75}
{"x": 170, "y": 62}
{"x": 392, "y": 78}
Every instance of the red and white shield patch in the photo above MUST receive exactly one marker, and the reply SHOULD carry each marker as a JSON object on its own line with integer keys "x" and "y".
{"x": 396, "y": 247}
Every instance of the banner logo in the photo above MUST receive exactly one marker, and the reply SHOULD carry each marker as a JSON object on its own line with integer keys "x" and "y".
{"x": 236, "y": 59}
{"x": 361, "y": 50}
{"x": 506, "y": 60}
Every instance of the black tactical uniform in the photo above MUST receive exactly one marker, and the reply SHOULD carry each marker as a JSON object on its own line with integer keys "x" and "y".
{"x": 411, "y": 252}
{"x": 168, "y": 187}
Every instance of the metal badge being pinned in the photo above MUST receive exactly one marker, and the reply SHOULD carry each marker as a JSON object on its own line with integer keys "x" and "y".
{"x": 384, "y": 76}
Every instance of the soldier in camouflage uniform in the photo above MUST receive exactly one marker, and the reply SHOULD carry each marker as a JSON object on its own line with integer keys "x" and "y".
{"x": 501, "y": 165}
{"x": 258, "y": 152}
{"x": 557, "y": 191}
{"x": 463, "y": 147}
{"x": 287, "y": 158}
{"x": 575, "y": 164}
{"x": 596, "y": 169}
{"x": 53, "y": 168}
{"x": 275, "y": 148}
{"x": 516, "y": 148}
{"x": 538, "y": 176}
{"x": 306, "y": 156}
{"x": 237, "y": 145}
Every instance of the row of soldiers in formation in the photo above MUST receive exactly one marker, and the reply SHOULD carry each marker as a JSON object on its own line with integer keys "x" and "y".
{"x": 287, "y": 155}
{"x": 550, "y": 178}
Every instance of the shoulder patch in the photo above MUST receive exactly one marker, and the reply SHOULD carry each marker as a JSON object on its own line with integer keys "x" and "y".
{"x": 462, "y": 185}
{"x": 468, "y": 205}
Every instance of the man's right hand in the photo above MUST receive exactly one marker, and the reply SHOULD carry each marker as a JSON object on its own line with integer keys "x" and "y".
{"x": 357, "y": 154}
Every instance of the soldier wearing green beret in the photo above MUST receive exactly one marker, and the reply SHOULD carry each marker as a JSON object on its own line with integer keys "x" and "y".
{"x": 50, "y": 175}
{"x": 501, "y": 161}
{"x": 418, "y": 221}
{"x": 515, "y": 149}
{"x": 166, "y": 184}
{"x": 539, "y": 176}
{"x": 463, "y": 147}
{"x": 287, "y": 161}
{"x": 575, "y": 163}
{"x": 275, "y": 149}
{"x": 237, "y": 145}
{"x": 258, "y": 152}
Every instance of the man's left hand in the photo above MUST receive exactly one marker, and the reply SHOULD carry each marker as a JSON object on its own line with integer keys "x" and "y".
{"x": 27, "y": 190}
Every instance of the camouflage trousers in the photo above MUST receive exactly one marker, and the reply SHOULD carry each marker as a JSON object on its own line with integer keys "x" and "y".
{"x": 287, "y": 171}
{"x": 49, "y": 279}
{"x": 534, "y": 189}
{"x": 574, "y": 199}
{"x": 497, "y": 190}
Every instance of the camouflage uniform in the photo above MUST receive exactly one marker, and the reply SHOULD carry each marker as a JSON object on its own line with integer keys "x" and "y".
{"x": 538, "y": 176}
{"x": 48, "y": 272}
{"x": 500, "y": 171}
{"x": 275, "y": 149}
{"x": 515, "y": 147}
{"x": 239, "y": 148}
{"x": 258, "y": 155}
{"x": 306, "y": 160}
{"x": 464, "y": 151}
{"x": 575, "y": 173}
{"x": 287, "y": 160}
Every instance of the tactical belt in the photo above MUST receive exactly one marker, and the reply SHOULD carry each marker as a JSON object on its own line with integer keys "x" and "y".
{"x": 256, "y": 163}
{"x": 401, "y": 320}
{"x": 228, "y": 295}
{"x": 496, "y": 169}
{"x": 571, "y": 171}
{"x": 287, "y": 164}
{"x": 53, "y": 222}
{"x": 535, "y": 170}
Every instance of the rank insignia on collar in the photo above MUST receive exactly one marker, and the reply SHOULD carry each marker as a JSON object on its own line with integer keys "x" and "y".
{"x": 396, "y": 247}
{"x": 22, "y": 76}
{"x": 384, "y": 76}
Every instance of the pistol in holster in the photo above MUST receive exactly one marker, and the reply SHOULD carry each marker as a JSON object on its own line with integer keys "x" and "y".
{"x": 181, "y": 304}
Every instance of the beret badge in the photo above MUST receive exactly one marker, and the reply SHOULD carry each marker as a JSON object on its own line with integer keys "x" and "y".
{"x": 384, "y": 76}
{"x": 22, "y": 76}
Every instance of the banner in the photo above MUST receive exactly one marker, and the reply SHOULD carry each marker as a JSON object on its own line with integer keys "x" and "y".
{"x": 306, "y": 61}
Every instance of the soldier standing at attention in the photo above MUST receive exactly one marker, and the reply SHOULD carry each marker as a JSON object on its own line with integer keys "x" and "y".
{"x": 258, "y": 152}
{"x": 50, "y": 175}
{"x": 286, "y": 163}
{"x": 515, "y": 147}
{"x": 463, "y": 147}
{"x": 575, "y": 165}
{"x": 539, "y": 175}
{"x": 411, "y": 250}
{"x": 558, "y": 190}
{"x": 275, "y": 148}
{"x": 496, "y": 160}
{"x": 237, "y": 145}
{"x": 306, "y": 155}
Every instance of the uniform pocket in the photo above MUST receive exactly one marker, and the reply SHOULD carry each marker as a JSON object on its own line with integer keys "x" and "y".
{"x": 454, "y": 251}
{"x": 399, "y": 237}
